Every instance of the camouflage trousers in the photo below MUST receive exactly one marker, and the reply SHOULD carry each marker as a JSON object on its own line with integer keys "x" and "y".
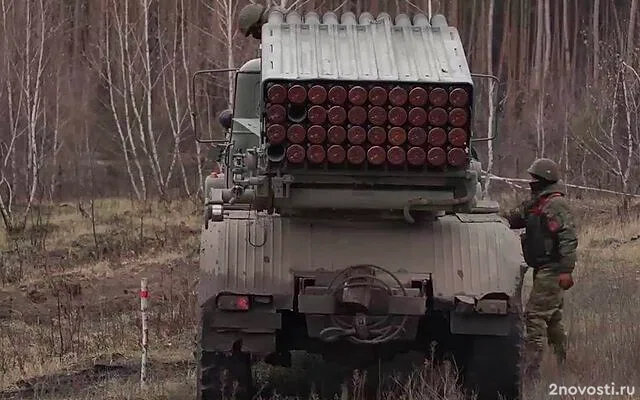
{"x": 543, "y": 315}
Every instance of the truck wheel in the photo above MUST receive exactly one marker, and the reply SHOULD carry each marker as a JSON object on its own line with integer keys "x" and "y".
{"x": 223, "y": 376}
{"x": 491, "y": 366}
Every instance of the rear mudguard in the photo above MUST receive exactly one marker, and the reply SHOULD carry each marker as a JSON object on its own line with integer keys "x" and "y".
{"x": 473, "y": 261}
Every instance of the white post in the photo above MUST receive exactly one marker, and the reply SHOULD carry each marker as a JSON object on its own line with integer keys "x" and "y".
{"x": 429, "y": 9}
{"x": 144, "y": 296}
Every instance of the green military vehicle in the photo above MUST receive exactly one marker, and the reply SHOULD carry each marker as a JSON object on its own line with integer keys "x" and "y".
{"x": 350, "y": 221}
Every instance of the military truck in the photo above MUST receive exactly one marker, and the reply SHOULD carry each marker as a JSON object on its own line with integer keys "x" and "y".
{"x": 350, "y": 221}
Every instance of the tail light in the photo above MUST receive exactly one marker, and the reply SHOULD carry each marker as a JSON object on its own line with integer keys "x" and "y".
{"x": 233, "y": 302}
{"x": 401, "y": 126}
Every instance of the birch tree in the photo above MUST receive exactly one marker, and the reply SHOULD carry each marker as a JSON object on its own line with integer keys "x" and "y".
{"x": 27, "y": 31}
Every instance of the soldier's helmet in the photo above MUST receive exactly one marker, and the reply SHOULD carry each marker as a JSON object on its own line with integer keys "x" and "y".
{"x": 546, "y": 169}
{"x": 250, "y": 20}
{"x": 226, "y": 118}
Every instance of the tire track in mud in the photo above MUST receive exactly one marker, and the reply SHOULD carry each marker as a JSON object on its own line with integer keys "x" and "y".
{"x": 77, "y": 381}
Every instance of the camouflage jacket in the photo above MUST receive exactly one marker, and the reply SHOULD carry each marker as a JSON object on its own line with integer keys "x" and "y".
{"x": 550, "y": 238}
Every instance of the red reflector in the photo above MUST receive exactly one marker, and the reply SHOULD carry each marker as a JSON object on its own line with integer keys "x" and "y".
{"x": 242, "y": 303}
{"x": 376, "y": 135}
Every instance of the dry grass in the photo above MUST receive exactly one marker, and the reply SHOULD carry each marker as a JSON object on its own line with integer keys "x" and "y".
{"x": 68, "y": 307}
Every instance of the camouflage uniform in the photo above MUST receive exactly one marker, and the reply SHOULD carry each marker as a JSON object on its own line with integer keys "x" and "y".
{"x": 250, "y": 20}
{"x": 549, "y": 246}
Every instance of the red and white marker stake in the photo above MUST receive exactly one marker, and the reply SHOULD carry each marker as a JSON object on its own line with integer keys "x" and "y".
{"x": 144, "y": 296}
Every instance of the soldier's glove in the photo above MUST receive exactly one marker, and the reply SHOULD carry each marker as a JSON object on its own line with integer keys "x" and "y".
{"x": 565, "y": 281}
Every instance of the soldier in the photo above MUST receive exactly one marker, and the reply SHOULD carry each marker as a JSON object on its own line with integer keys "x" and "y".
{"x": 549, "y": 247}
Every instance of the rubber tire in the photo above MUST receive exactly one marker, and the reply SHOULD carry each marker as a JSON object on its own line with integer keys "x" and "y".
{"x": 214, "y": 384}
{"x": 491, "y": 365}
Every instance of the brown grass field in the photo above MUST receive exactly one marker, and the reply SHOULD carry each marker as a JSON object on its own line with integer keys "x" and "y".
{"x": 70, "y": 324}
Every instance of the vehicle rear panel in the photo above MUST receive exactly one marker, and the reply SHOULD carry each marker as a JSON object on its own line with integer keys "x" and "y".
{"x": 465, "y": 254}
